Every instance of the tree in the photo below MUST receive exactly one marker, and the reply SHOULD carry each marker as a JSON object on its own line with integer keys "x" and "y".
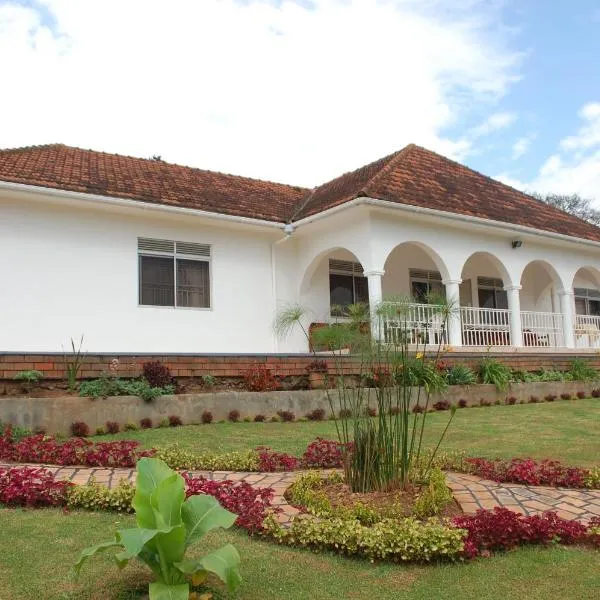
{"x": 573, "y": 204}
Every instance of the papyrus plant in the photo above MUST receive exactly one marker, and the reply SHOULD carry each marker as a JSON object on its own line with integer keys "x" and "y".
{"x": 397, "y": 373}
{"x": 166, "y": 525}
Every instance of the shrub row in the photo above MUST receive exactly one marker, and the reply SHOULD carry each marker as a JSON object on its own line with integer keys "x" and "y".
{"x": 25, "y": 486}
{"x": 531, "y": 472}
{"x": 503, "y": 529}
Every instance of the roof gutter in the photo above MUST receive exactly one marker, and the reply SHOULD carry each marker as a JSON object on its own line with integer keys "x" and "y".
{"x": 138, "y": 204}
{"x": 432, "y": 212}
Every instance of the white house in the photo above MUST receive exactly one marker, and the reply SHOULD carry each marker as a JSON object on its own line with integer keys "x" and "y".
{"x": 144, "y": 256}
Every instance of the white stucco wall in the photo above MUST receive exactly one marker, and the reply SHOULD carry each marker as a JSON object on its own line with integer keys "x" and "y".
{"x": 71, "y": 271}
{"x": 72, "y": 268}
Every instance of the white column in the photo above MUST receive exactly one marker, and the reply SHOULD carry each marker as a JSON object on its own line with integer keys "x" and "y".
{"x": 566, "y": 308}
{"x": 454, "y": 320}
{"x": 375, "y": 298}
{"x": 514, "y": 307}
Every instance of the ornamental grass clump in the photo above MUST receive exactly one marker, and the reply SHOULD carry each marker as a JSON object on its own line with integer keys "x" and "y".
{"x": 167, "y": 524}
{"x": 379, "y": 453}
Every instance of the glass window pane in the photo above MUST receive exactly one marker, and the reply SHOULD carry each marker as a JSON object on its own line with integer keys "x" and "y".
{"x": 193, "y": 283}
{"x": 580, "y": 306}
{"x": 340, "y": 290}
{"x": 486, "y": 298}
{"x": 361, "y": 289}
{"x": 419, "y": 291}
{"x": 156, "y": 281}
{"x": 501, "y": 299}
{"x": 594, "y": 307}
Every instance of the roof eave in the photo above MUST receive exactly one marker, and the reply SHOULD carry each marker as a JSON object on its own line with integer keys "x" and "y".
{"x": 139, "y": 204}
{"x": 367, "y": 201}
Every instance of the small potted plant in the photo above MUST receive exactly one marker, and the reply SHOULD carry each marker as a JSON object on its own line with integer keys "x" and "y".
{"x": 317, "y": 374}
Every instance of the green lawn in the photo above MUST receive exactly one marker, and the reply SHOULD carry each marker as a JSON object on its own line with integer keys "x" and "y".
{"x": 37, "y": 549}
{"x": 565, "y": 430}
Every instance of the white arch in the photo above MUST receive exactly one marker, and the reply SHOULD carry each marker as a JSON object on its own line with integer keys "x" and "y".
{"x": 431, "y": 253}
{"x": 589, "y": 270}
{"x": 310, "y": 266}
{"x": 507, "y": 279}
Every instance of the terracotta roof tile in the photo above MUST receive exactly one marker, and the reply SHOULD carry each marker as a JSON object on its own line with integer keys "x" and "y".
{"x": 413, "y": 176}
{"x": 418, "y": 177}
{"x": 63, "y": 167}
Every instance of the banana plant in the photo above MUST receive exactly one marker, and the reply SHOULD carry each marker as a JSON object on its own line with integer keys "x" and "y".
{"x": 166, "y": 525}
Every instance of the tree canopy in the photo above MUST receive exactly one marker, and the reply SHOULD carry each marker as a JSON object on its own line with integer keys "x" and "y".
{"x": 573, "y": 204}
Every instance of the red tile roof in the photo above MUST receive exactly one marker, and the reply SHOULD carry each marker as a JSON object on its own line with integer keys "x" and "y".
{"x": 418, "y": 177}
{"x": 73, "y": 169}
{"x": 413, "y": 176}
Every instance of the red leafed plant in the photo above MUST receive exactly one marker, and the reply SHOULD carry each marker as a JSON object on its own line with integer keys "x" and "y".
{"x": 270, "y": 461}
{"x": 323, "y": 454}
{"x": 26, "y": 486}
{"x": 74, "y": 451}
{"x": 260, "y": 378}
{"x": 502, "y": 529}
{"x": 250, "y": 504}
{"x": 529, "y": 472}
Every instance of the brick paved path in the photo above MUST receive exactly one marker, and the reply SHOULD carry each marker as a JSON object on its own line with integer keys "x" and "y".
{"x": 470, "y": 491}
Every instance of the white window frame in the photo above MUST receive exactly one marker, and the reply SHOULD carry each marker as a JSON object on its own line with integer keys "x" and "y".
{"x": 426, "y": 276}
{"x": 586, "y": 294}
{"x": 204, "y": 255}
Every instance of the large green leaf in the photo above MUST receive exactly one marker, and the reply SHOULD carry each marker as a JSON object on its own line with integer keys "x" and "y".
{"x": 163, "y": 591}
{"x": 150, "y": 473}
{"x": 85, "y": 554}
{"x": 133, "y": 540}
{"x": 167, "y": 500}
{"x": 201, "y": 514}
{"x": 224, "y": 563}
{"x": 172, "y": 544}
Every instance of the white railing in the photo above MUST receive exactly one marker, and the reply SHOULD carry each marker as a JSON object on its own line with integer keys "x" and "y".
{"x": 413, "y": 324}
{"x": 587, "y": 331}
{"x": 542, "y": 329}
{"x": 485, "y": 326}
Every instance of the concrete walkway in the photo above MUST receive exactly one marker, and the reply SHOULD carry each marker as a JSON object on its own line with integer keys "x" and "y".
{"x": 470, "y": 491}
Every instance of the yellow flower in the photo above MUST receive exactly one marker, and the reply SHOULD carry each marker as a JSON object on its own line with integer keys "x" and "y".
{"x": 419, "y": 355}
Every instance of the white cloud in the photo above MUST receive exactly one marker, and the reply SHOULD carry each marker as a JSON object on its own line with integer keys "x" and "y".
{"x": 588, "y": 135}
{"x": 272, "y": 90}
{"x": 494, "y": 122}
{"x": 521, "y": 146}
{"x": 575, "y": 169}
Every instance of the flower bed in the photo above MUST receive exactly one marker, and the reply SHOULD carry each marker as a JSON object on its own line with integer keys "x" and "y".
{"x": 530, "y": 472}
{"x": 24, "y": 486}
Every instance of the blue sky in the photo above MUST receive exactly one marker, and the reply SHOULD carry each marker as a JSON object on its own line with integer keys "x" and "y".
{"x": 302, "y": 90}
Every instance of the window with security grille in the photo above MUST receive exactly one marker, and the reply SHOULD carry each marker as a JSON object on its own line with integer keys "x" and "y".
{"x": 174, "y": 274}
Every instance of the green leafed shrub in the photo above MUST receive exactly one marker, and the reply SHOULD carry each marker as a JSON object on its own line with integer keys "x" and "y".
{"x": 494, "y": 372}
{"x": 166, "y": 525}
{"x": 461, "y": 375}
{"x": 434, "y": 497}
{"x": 107, "y": 385}
{"x": 94, "y": 496}
{"x": 581, "y": 370}
{"x": 181, "y": 459}
{"x": 592, "y": 478}
{"x": 390, "y": 539}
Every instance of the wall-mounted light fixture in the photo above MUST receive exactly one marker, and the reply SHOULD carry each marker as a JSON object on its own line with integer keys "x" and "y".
{"x": 517, "y": 243}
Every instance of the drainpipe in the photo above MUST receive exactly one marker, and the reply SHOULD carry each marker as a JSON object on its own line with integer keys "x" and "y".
{"x": 288, "y": 230}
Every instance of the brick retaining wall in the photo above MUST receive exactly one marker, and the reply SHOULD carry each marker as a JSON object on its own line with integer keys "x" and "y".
{"x": 52, "y": 365}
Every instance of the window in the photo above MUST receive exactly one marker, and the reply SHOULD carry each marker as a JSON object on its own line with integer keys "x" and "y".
{"x": 174, "y": 273}
{"x": 587, "y": 302}
{"x": 347, "y": 285}
{"x": 424, "y": 284}
{"x": 491, "y": 293}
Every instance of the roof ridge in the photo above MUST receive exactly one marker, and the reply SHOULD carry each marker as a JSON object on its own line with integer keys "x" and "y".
{"x": 151, "y": 160}
{"x": 395, "y": 157}
{"x": 391, "y": 158}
